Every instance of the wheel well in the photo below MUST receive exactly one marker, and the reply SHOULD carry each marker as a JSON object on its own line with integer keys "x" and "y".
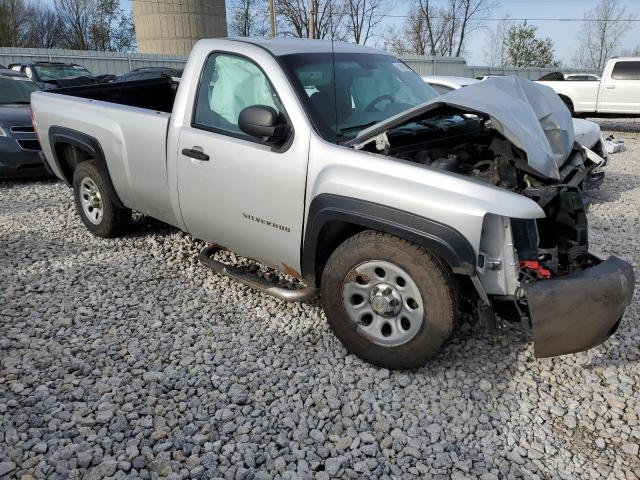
{"x": 332, "y": 235}
{"x": 69, "y": 156}
{"x": 334, "y": 218}
{"x": 568, "y": 102}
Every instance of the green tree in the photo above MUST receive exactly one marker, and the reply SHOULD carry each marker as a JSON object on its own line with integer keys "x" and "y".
{"x": 524, "y": 49}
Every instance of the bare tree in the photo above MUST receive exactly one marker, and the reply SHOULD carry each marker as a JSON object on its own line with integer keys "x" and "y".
{"x": 328, "y": 19}
{"x": 248, "y": 18}
{"x": 436, "y": 29}
{"x": 363, "y": 17}
{"x": 495, "y": 52}
{"x": 95, "y": 25}
{"x": 23, "y": 24}
{"x": 44, "y": 27}
{"x": 602, "y": 31}
{"x": 424, "y": 32}
{"x": 631, "y": 52}
{"x": 14, "y": 16}
{"x": 472, "y": 15}
{"x": 76, "y": 17}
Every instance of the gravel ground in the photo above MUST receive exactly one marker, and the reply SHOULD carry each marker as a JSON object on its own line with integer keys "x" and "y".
{"x": 125, "y": 358}
{"x": 618, "y": 124}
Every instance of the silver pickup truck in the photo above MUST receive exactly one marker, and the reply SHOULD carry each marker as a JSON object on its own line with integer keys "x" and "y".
{"x": 336, "y": 164}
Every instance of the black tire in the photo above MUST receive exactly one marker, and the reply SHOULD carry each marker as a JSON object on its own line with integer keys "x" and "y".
{"x": 115, "y": 220}
{"x": 433, "y": 279}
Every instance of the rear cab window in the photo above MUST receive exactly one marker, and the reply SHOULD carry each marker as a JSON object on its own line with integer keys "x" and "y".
{"x": 624, "y": 70}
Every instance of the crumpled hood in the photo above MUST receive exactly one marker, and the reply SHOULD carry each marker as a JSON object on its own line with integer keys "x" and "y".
{"x": 529, "y": 115}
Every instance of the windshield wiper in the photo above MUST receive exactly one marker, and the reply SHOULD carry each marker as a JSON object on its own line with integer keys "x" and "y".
{"x": 357, "y": 127}
{"x": 20, "y": 102}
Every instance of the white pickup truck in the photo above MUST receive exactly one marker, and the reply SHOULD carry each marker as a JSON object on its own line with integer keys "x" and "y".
{"x": 618, "y": 91}
{"x": 338, "y": 165}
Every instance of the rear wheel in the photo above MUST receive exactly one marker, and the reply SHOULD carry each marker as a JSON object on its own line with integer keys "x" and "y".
{"x": 95, "y": 204}
{"x": 389, "y": 301}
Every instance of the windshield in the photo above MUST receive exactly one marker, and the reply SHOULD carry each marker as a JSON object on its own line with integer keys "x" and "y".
{"x": 16, "y": 89}
{"x": 55, "y": 72}
{"x": 364, "y": 89}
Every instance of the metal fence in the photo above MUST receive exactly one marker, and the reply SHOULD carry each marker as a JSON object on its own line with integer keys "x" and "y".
{"x": 531, "y": 73}
{"x": 98, "y": 63}
{"x": 117, "y": 63}
{"x": 426, "y": 65}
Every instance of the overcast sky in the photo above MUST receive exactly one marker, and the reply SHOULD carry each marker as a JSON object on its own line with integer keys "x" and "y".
{"x": 563, "y": 33}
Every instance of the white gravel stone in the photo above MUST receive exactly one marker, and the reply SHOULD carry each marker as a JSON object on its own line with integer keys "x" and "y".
{"x": 124, "y": 357}
{"x": 485, "y": 385}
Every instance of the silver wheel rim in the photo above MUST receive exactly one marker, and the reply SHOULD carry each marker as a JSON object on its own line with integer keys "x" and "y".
{"x": 384, "y": 301}
{"x": 91, "y": 201}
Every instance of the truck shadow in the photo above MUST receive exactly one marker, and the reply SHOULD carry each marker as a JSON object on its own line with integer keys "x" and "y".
{"x": 143, "y": 226}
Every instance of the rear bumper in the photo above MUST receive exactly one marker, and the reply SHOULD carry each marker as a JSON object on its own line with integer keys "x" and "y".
{"x": 579, "y": 311}
{"x": 16, "y": 162}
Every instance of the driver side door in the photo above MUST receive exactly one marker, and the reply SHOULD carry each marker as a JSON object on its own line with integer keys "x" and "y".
{"x": 235, "y": 190}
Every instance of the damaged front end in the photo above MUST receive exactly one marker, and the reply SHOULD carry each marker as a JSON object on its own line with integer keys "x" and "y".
{"x": 519, "y": 136}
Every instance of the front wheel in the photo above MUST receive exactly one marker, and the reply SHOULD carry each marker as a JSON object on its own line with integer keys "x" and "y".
{"x": 94, "y": 202}
{"x": 389, "y": 301}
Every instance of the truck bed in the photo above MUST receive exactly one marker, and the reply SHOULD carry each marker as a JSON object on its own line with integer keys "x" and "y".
{"x": 129, "y": 121}
{"x": 155, "y": 94}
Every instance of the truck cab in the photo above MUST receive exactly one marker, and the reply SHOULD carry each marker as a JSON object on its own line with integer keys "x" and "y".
{"x": 618, "y": 91}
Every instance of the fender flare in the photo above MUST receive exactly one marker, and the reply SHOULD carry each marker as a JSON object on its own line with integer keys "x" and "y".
{"x": 58, "y": 135}
{"x": 440, "y": 239}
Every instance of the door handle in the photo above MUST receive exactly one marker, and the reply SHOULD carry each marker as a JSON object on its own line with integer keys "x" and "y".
{"x": 610, "y": 87}
{"x": 197, "y": 154}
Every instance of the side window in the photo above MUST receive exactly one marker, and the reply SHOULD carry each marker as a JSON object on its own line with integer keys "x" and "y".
{"x": 228, "y": 85}
{"x": 626, "y": 71}
{"x": 28, "y": 72}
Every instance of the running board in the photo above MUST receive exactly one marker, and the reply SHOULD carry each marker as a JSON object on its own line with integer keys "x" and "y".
{"x": 251, "y": 280}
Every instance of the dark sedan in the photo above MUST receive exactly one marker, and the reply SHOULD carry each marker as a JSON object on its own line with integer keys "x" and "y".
{"x": 19, "y": 146}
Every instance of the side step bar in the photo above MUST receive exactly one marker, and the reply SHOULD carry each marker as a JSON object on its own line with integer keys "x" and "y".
{"x": 251, "y": 280}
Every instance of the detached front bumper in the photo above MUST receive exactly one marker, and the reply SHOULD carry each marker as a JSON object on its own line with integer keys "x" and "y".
{"x": 579, "y": 311}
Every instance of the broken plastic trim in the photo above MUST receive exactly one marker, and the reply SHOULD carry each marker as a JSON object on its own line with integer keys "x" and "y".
{"x": 251, "y": 280}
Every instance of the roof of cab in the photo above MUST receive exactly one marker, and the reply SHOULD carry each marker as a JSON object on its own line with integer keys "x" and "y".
{"x": 287, "y": 46}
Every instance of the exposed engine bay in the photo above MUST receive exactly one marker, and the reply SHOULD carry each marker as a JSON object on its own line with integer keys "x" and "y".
{"x": 466, "y": 144}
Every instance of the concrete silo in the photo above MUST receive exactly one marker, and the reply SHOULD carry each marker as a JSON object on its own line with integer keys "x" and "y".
{"x": 171, "y": 27}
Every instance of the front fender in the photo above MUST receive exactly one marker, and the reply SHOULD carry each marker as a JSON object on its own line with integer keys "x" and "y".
{"x": 447, "y": 198}
{"x": 440, "y": 239}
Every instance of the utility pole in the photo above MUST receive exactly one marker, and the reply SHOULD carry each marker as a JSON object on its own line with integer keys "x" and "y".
{"x": 272, "y": 17}
{"x": 312, "y": 23}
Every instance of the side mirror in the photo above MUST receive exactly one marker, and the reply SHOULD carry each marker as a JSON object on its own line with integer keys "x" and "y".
{"x": 261, "y": 121}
